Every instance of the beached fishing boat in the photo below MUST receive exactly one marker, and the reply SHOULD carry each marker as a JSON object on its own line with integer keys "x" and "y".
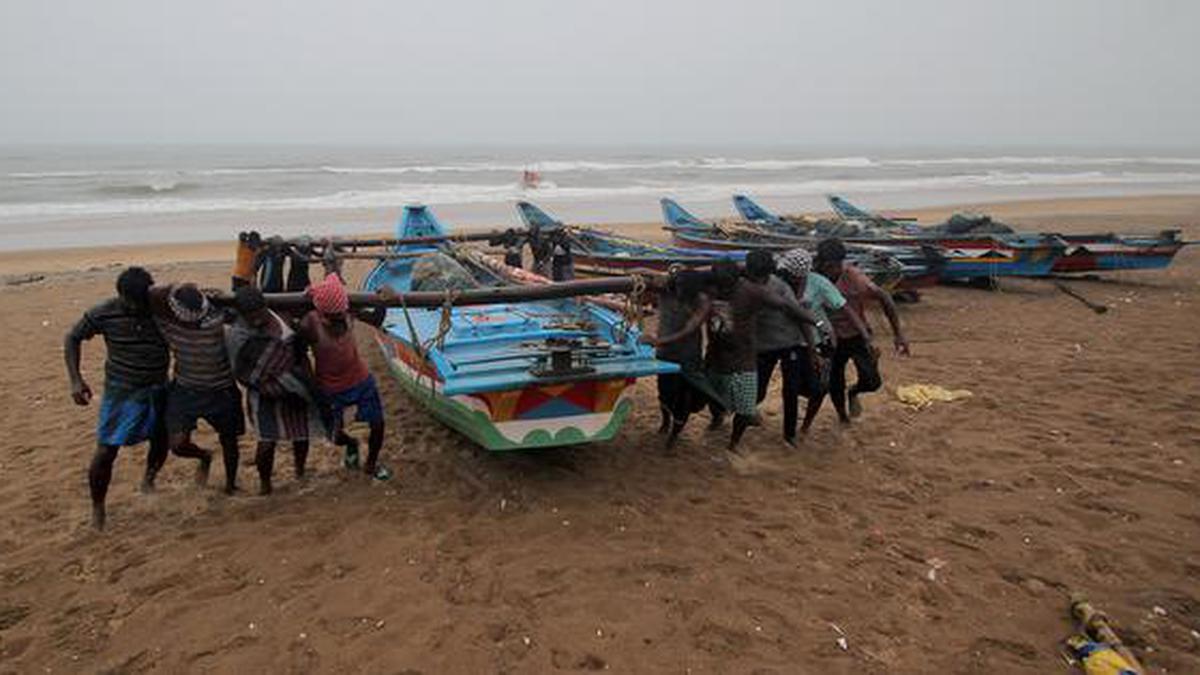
{"x": 892, "y": 266}
{"x": 1083, "y": 253}
{"x": 600, "y": 253}
{"x": 512, "y": 375}
{"x": 968, "y": 256}
{"x": 1116, "y": 252}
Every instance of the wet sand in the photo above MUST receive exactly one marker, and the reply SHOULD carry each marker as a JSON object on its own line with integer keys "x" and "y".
{"x": 940, "y": 540}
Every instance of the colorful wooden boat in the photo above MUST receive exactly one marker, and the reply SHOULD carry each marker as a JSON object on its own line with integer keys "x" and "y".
{"x": 1084, "y": 252}
{"x": 515, "y": 375}
{"x": 968, "y": 256}
{"x": 892, "y": 266}
{"x": 1117, "y": 252}
{"x": 600, "y": 253}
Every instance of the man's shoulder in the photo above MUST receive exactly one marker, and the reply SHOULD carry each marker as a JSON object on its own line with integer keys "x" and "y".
{"x": 826, "y": 291}
{"x": 821, "y": 283}
{"x": 93, "y": 320}
{"x": 106, "y": 309}
{"x": 307, "y": 325}
{"x": 856, "y": 275}
{"x": 780, "y": 288}
{"x": 745, "y": 287}
{"x": 158, "y": 299}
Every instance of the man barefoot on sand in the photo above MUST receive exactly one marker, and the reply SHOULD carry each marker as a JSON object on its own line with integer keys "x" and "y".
{"x": 781, "y": 342}
{"x": 820, "y": 296}
{"x": 342, "y": 374}
{"x": 203, "y": 386}
{"x": 135, "y": 377}
{"x": 280, "y": 393}
{"x": 733, "y": 330}
{"x": 683, "y": 309}
{"x": 854, "y": 336}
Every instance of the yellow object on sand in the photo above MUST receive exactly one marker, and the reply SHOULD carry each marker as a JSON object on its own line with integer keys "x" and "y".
{"x": 922, "y": 395}
{"x": 1099, "y": 658}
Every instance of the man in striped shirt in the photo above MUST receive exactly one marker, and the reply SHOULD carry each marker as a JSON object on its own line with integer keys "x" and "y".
{"x": 135, "y": 376}
{"x": 203, "y": 386}
{"x": 281, "y": 396}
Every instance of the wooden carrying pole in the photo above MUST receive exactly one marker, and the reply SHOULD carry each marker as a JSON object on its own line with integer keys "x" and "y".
{"x": 480, "y": 296}
{"x": 383, "y": 255}
{"x": 387, "y": 242}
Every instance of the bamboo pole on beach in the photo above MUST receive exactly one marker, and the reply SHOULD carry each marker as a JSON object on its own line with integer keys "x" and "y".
{"x": 353, "y": 243}
{"x": 480, "y": 296}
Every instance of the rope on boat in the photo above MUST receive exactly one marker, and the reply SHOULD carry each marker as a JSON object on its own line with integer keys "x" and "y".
{"x": 633, "y": 311}
{"x": 445, "y": 325}
{"x": 444, "y": 322}
{"x": 416, "y": 342}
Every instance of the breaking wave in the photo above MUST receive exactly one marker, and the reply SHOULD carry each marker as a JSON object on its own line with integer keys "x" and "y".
{"x": 715, "y": 164}
{"x": 165, "y": 198}
{"x": 151, "y": 187}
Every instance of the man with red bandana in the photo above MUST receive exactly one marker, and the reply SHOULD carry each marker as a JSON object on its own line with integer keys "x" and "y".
{"x": 341, "y": 372}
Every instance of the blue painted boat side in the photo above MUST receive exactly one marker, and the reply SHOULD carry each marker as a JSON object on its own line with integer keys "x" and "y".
{"x": 1116, "y": 262}
{"x": 752, "y": 211}
{"x": 846, "y": 210}
{"x": 535, "y": 217}
{"x": 1027, "y": 262}
{"x": 494, "y": 347}
{"x": 677, "y": 216}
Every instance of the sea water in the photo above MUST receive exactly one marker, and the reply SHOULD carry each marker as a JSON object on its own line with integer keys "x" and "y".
{"x": 89, "y": 195}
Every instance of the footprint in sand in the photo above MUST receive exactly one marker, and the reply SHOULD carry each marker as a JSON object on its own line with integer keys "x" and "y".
{"x": 752, "y": 464}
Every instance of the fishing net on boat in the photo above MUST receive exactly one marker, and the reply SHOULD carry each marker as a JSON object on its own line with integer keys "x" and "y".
{"x": 970, "y": 223}
{"x": 843, "y": 229}
{"x": 440, "y": 272}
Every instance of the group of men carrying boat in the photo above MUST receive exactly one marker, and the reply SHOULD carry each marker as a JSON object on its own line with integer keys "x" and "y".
{"x": 727, "y": 328}
{"x": 149, "y": 329}
{"x": 728, "y": 331}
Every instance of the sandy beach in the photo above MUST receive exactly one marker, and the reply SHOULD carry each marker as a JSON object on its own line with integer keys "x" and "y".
{"x": 943, "y": 540}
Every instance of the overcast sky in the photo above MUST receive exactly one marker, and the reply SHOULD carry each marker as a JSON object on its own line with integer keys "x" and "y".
{"x": 889, "y": 72}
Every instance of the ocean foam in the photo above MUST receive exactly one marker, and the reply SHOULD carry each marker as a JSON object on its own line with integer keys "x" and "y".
{"x": 716, "y": 164}
{"x": 166, "y": 201}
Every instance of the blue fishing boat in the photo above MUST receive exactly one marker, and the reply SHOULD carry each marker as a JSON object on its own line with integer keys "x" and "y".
{"x": 600, "y": 253}
{"x": 1105, "y": 252}
{"x": 892, "y": 266}
{"x": 968, "y": 255}
{"x": 523, "y": 374}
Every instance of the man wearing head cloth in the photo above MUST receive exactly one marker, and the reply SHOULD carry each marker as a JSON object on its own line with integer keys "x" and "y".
{"x": 825, "y": 301}
{"x": 341, "y": 373}
{"x": 202, "y": 386}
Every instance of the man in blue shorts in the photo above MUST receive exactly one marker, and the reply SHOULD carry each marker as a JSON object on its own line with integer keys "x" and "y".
{"x": 135, "y": 376}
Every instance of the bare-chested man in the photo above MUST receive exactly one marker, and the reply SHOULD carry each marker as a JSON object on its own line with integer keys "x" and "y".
{"x": 733, "y": 333}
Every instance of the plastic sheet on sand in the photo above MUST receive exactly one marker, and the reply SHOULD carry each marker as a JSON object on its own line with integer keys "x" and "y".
{"x": 924, "y": 395}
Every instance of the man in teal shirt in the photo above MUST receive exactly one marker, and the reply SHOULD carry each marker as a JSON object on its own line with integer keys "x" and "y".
{"x": 820, "y": 296}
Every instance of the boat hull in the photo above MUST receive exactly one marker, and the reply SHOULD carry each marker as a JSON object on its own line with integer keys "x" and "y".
{"x": 1112, "y": 254}
{"x": 965, "y": 258}
{"x": 536, "y": 416}
{"x": 598, "y": 253}
{"x": 919, "y": 272}
{"x": 523, "y": 373}
{"x": 985, "y": 257}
